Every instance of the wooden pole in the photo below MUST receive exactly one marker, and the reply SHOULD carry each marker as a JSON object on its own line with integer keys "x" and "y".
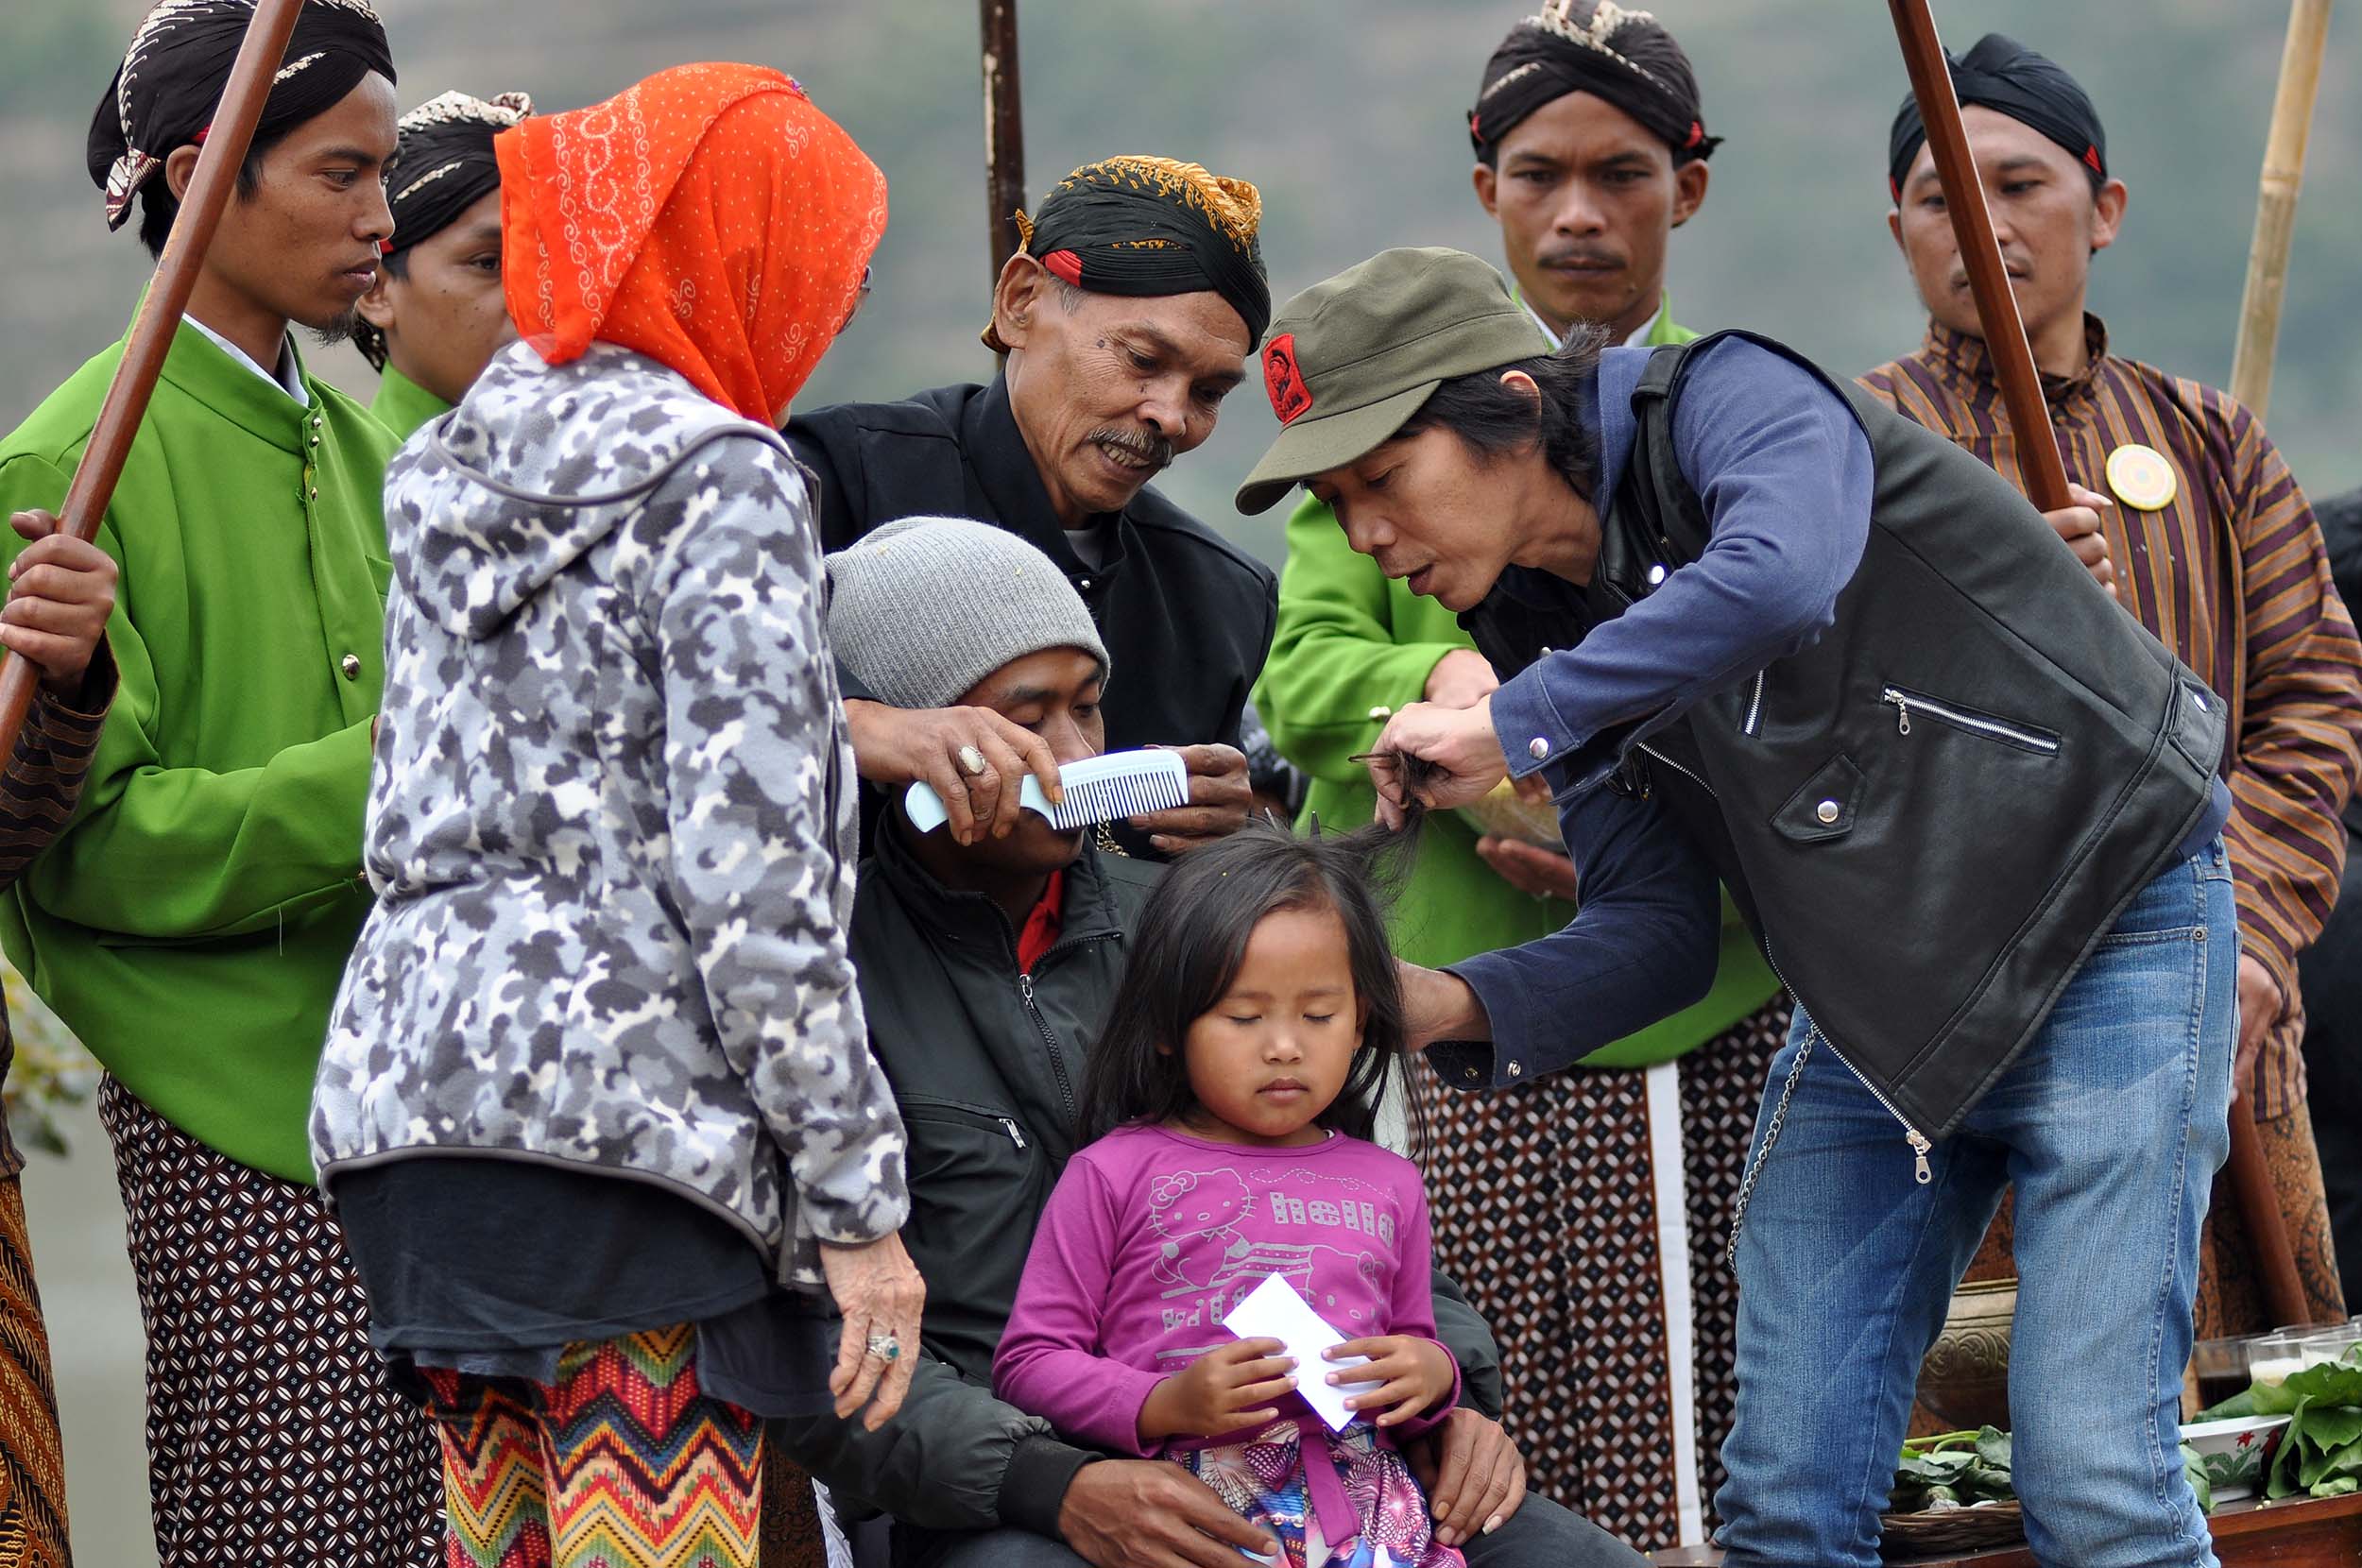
{"x": 1004, "y": 134}
{"x": 1981, "y": 253}
{"x": 2276, "y": 205}
{"x": 150, "y": 338}
{"x": 2047, "y": 486}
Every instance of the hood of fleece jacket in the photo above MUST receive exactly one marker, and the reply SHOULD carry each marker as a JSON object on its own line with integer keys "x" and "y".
{"x": 537, "y": 465}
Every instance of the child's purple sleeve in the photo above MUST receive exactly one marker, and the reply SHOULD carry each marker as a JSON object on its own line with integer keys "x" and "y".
{"x": 1413, "y": 1306}
{"x": 1051, "y": 1362}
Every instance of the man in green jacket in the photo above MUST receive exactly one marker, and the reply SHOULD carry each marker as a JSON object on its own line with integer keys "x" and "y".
{"x": 191, "y": 923}
{"x": 1590, "y": 152}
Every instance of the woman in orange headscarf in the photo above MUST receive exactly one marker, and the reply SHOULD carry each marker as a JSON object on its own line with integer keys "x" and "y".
{"x": 597, "y": 1105}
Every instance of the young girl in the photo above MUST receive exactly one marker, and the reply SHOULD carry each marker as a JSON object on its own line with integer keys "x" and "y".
{"x": 1231, "y": 1102}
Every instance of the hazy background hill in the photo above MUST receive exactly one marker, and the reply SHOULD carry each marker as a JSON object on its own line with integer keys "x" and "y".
{"x": 1350, "y": 114}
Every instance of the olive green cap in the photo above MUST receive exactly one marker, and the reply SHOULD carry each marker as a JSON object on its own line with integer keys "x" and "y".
{"x": 1348, "y": 360}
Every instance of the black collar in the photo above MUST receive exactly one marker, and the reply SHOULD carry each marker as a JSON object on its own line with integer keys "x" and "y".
{"x": 1004, "y": 466}
{"x": 974, "y": 923}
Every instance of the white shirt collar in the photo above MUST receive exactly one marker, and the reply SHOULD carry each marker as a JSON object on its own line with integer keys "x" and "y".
{"x": 290, "y": 378}
{"x": 1640, "y": 336}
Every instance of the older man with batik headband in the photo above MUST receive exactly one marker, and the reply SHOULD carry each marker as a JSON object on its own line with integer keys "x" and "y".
{"x": 436, "y": 317}
{"x": 190, "y": 923}
{"x": 1125, "y": 319}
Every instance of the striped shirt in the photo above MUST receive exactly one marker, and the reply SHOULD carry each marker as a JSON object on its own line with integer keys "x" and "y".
{"x": 2232, "y": 575}
{"x": 38, "y": 793}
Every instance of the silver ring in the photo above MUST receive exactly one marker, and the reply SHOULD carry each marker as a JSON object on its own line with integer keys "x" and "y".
{"x": 886, "y": 1347}
{"x": 971, "y": 759}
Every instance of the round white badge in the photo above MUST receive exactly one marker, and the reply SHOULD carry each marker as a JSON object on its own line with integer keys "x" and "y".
{"x": 2141, "y": 477}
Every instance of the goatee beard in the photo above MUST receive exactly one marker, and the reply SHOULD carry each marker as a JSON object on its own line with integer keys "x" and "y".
{"x": 329, "y": 333}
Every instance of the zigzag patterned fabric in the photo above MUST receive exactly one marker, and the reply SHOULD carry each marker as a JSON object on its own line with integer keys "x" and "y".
{"x": 623, "y": 1463}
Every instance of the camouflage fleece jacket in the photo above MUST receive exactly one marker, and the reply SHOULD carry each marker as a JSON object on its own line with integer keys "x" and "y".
{"x": 610, "y": 822}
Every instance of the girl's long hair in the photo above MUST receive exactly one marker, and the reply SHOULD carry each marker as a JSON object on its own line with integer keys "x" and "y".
{"x": 1192, "y": 938}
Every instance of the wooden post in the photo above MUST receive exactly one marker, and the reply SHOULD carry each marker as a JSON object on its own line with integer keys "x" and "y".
{"x": 150, "y": 338}
{"x": 2276, "y": 205}
{"x": 1981, "y": 253}
{"x": 1004, "y": 134}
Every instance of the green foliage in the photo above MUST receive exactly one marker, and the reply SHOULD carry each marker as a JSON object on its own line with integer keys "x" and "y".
{"x": 1957, "y": 1470}
{"x": 51, "y": 1072}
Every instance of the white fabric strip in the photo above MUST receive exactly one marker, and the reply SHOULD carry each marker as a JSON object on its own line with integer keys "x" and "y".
{"x": 1673, "y": 1240}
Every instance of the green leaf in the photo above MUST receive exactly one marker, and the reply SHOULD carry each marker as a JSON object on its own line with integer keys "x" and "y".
{"x": 2241, "y": 1405}
{"x": 1993, "y": 1446}
{"x": 2340, "y": 1486}
{"x": 2331, "y": 1383}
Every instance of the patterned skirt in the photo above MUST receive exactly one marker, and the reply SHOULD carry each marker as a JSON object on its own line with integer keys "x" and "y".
{"x": 274, "y": 1435}
{"x": 1374, "y": 1502}
{"x": 32, "y": 1462}
{"x": 1545, "y": 1206}
{"x": 623, "y": 1460}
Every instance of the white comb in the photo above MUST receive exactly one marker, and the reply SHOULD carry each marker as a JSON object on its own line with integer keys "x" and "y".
{"x": 1098, "y": 789}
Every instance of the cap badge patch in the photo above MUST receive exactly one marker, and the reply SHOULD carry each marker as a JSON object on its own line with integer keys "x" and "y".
{"x": 1283, "y": 380}
{"x": 2142, "y": 477}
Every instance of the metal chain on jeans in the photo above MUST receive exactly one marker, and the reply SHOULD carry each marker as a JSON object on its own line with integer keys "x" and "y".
{"x": 1770, "y": 1136}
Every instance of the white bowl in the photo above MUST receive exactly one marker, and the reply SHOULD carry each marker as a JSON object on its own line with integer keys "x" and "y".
{"x": 2235, "y": 1452}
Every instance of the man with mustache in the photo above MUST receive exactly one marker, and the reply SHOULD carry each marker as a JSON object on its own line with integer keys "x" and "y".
{"x": 1590, "y": 150}
{"x": 191, "y": 923}
{"x": 1127, "y": 319}
{"x": 2214, "y": 551}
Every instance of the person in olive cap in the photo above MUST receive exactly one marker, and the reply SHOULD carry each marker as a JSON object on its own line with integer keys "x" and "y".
{"x": 1125, "y": 319}
{"x": 1752, "y": 624}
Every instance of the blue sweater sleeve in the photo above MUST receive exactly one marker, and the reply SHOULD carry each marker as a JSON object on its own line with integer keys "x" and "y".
{"x": 1784, "y": 470}
{"x": 1642, "y": 945}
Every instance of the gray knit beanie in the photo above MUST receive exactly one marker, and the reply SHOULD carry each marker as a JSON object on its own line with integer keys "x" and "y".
{"x": 923, "y": 608}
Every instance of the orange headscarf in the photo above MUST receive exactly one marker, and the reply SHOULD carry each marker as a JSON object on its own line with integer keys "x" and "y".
{"x": 708, "y": 217}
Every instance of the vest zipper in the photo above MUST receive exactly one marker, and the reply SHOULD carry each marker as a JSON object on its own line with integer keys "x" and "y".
{"x": 1754, "y": 707}
{"x": 1918, "y": 1141}
{"x": 1974, "y": 722}
{"x": 1017, "y": 1134}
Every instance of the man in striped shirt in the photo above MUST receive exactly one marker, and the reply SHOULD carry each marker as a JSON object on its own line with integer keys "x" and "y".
{"x": 2211, "y": 544}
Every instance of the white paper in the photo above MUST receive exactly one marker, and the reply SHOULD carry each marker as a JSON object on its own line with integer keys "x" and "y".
{"x": 1273, "y": 1310}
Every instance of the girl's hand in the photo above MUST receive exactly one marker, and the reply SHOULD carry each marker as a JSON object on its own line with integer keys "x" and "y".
{"x": 1223, "y": 1390}
{"x": 879, "y": 1293}
{"x": 1458, "y": 741}
{"x": 60, "y": 593}
{"x": 1411, "y": 1374}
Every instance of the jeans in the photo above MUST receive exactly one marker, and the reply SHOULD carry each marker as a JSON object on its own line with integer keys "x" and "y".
{"x": 1540, "y": 1534}
{"x": 2110, "y": 1125}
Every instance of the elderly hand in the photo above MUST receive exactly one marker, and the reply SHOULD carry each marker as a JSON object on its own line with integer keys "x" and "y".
{"x": 1458, "y": 741}
{"x": 903, "y": 746}
{"x": 1220, "y": 802}
{"x": 1439, "y": 1005}
{"x": 879, "y": 1294}
{"x": 2079, "y": 525}
{"x": 1151, "y": 1513}
{"x": 2260, "y": 1006}
{"x": 1473, "y": 1475}
{"x": 60, "y": 593}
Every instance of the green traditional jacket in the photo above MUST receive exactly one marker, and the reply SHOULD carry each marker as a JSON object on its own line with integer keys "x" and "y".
{"x": 191, "y": 923}
{"x": 1352, "y": 646}
{"x": 401, "y": 405}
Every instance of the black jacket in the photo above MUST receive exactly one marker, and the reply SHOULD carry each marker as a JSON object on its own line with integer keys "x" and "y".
{"x": 1932, "y": 814}
{"x": 986, "y": 1063}
{"x": 1187, "y": 616}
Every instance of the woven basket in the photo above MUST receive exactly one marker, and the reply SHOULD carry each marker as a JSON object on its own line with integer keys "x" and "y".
{"x": 1967, "y": 1530}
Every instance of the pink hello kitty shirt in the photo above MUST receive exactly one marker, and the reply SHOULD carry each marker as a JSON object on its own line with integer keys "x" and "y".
{"x": 1152, "y": 1236}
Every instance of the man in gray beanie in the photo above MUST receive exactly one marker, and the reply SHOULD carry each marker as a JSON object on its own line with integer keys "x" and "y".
{"x": 987, "y": 969}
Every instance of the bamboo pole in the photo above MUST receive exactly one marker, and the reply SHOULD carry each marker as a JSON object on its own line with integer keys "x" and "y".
{"x": 1981, "y": 253}
{"x": 1004, "y": 134}
{"x": 150, "y": 338}
{"x": 2276, "y": 204}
